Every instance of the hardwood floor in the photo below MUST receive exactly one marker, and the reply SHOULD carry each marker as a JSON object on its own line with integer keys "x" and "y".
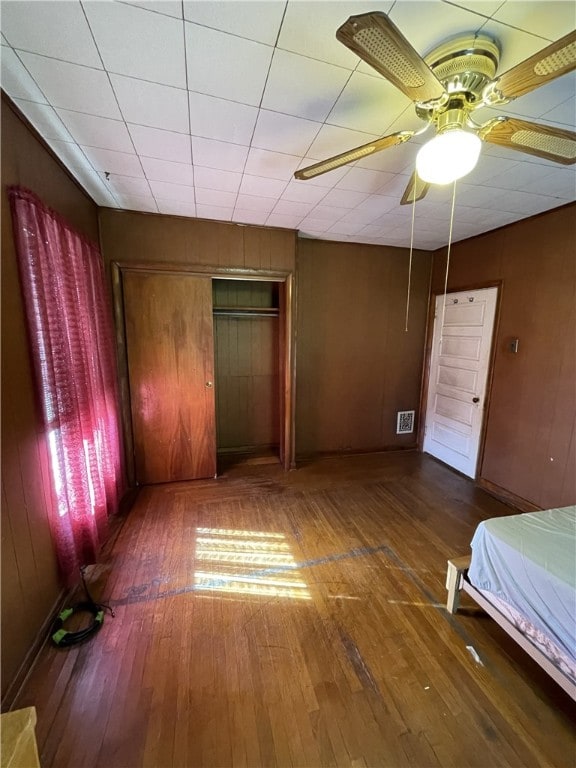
{"x": 268, "y": 619}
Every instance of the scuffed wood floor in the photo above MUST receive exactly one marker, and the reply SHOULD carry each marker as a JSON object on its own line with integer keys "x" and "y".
{"x": 267, "y": 619}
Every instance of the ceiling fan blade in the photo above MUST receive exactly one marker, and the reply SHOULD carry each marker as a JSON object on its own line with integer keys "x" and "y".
{"x": 353, "y": 154}
{"x": 551, "y": 62}
{"x": 533, "y": 138}
{"x": 378, "y": 42}
{"x": 416, "y": 190}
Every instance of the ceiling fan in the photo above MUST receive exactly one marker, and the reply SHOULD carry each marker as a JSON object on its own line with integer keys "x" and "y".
{"x": 447, "y": 86}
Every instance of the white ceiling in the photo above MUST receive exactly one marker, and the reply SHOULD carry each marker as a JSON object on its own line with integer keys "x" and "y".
{"x": 206, "y": 109}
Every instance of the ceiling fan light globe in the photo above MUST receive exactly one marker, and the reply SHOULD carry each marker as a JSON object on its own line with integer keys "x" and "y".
{"x": 448, "y": 156}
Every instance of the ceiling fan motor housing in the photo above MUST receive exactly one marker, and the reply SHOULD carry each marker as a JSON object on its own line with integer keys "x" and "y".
{"x": 464, "y": 66}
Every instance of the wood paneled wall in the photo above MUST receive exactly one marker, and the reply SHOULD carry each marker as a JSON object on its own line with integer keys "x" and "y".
{"x": 356, "y": 365}
{"x": 130, "y": 237}
{"x": 246, "y": 351}
{"x": 30, "y": 585}
{"x": 530, "y": 446}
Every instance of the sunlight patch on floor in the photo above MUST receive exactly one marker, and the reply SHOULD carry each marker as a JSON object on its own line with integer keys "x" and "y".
{"x": 247, "y": 563}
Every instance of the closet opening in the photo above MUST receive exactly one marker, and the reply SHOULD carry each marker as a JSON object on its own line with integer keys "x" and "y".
{"x": 247, "y": 371}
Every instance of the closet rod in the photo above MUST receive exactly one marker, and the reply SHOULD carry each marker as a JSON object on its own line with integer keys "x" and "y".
{"x": 247, "y": 312}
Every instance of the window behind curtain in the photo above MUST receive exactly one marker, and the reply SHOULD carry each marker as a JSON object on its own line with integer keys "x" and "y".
{"x": 72, "y": 346}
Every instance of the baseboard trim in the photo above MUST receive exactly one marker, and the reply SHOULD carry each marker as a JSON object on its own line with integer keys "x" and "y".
{"x": 65, "y": 596}
{"x": 301, "y": 457}
{"x": 507, "y": 497}
{"x": 10, "y": 697}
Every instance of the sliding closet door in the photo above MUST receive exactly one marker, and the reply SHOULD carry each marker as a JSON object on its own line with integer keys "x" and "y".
{"x": 169, "y": 340}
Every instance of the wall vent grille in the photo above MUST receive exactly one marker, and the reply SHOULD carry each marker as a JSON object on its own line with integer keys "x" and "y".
{"x": 404, "y": 422}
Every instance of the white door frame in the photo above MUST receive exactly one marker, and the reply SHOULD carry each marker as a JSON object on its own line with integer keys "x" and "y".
{"x": 433, "y": 335}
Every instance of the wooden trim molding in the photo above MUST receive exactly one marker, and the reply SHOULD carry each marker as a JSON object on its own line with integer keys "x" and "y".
{"x": 507, "y": 497}
{"x": 287, "y": 364}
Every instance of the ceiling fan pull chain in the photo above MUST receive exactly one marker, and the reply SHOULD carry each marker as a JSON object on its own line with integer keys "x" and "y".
{"x": 447, "y": 264}
{"x": 410, "y": 260}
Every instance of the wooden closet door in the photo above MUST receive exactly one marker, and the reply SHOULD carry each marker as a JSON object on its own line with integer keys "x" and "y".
{"x": 169, "y": 340}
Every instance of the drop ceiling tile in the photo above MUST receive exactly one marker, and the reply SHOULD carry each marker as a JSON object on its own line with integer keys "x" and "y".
{"x": 145, "y": 204}
{"x": 479, "y": 197}
{"x": 314, "y": 225}
{"x": 368, "y": 104}
{"x": 374, "y": 230}
{"x": 284, "y": 133}
{"x": 215, "y": 197}
{"x": 433, "y": 210}
{"x": 467, "y": 214}
{"x": 168, "y": 191}
{"x": 303, "y": 87}
{"x": 210, "y": 178}
{"x": 165, "y": 170}
{"x": 342, "y": 198}
{"x": 552, "y": 19}
{"x": 274, "y": 165}
{"x": 428, "y": 23}
{"x": 560, "y": 182}
{"x": 126, "y": 185}
{"x": 137, "y": 43}
{"x": 374, "y": 206}
{"x": 95, "y": 188}
{"x": 286, "y": 222}
{"x": 59, "y": 30}
{"x": 515, "y": 45}
{"x": 71, "y": 86}
{"x": 219, "y": 154}
{"x": 364, "y": 180}
{"x": 525, "y": 203}
{"x": 176, "y": 207}
{"x": 261, "y": 186}
{"x": 333, "y": 141}
{"x": 302, "y": 192}
{"x": 71, "y": 155}
{"x": 290, "y": 208}
{"x": 346, "y": 227}
{"x": 309, "y": 28}
{"x": 328, "y": 213}
{"x": 494, "y": 219}
{"x": 251, "y": 203}
{"x": 396, "y": 187}
{"x": 564, "y": 113}
{"x": 520, "y": 177}
{"x": 150, "y": 104}
{"x": 121, "y": 163}
{"x": 484, "y": 7}
{"x": 220, "y": 119}
{"x": 253, "y": 20}
{"x": 163, "y": 145}
{"x": 240, "y": 75}
{"x": 214, "y": 212}
{"x": 488, "y": 167}
{"x": 249, "y": 217}
{"x": 44, "y": 119}
{"x": 97, "y": 131}
{"x": 168, "y": 7}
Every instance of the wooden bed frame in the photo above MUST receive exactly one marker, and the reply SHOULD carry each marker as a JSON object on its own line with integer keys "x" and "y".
{"x": 457, "y": 580}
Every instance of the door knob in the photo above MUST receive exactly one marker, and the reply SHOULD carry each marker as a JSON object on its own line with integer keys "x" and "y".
{"x": 208, "y": 384}
{"x": 475, "y": 399}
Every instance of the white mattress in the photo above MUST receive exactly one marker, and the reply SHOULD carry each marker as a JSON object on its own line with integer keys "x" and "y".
{"x": 529, "y": 562}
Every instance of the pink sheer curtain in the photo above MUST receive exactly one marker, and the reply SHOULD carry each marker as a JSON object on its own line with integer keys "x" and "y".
{"x": 72, "y": 345}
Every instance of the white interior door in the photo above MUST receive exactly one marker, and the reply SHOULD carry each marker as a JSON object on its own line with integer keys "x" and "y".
{"x": 458, "y": 376}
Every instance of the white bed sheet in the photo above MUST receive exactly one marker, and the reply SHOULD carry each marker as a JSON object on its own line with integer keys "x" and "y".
{"x": 529, "y": 562}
